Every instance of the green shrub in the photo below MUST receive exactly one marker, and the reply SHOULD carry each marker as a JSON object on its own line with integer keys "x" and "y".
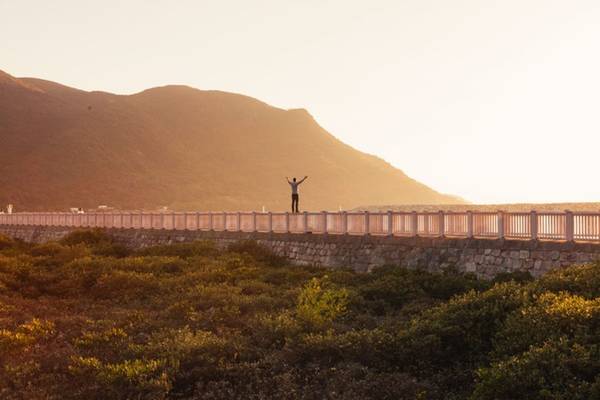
{"x": 129, "y": 379}
{"x": 557, "y": 369}
{"x": 256, "y": 251}
{"x": 583, "y": 280}
{"x": 515, "y": 276}
{"x": 319, "y": 304}
{"x": 200, "y": 248}
{"x": 82, "y": 319}
{"x": 548, "y": 316}
{"x": 98, "y": 241}
{"x": 6, "y": 242}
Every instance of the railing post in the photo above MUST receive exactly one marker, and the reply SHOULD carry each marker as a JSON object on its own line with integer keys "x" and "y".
{"x": 173, "y": 227}
{"x": 414, "y": 224}
{"x": 151, "y": 220}
{"x": 533, "y": 225}
{"x": 442, "y": 224}
{"x": 500, "y": 225}
{"x": 305, "y": 221}
{"x": 569, "y": 226}
{"x": 254, "y": 222}
{"x": 287, "y": 222}
{"x": 197, "y": 220}
{"x": 390, "y": 223}
{"x": 325, "y": 222}
{"x": 224, "y": 221}
{"x": 210, "y": 221}
{"x": 185, "y": 221}
{"x": 238, "y": 222}
{"x": 426, "y": 223}
{"x": 270, "y": 222}
{"x": 367, "y": 223}
{"x": 344, "y": 222}
{"x": 469, "y": 224}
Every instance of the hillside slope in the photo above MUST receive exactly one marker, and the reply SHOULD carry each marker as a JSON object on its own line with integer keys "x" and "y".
{"x": 180, "y": 147}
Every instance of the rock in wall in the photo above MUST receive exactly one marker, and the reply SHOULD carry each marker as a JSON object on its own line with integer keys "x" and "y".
{"x": 484, "y": 257}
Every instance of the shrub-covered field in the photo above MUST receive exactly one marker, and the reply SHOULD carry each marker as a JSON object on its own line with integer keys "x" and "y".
{"x": 87, "y": 319}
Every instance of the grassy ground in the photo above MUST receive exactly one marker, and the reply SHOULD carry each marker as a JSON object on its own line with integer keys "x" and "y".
{"x": 87, "y": 319}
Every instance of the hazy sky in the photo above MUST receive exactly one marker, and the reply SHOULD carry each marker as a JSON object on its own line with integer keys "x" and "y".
{"x": 496, "y": 101}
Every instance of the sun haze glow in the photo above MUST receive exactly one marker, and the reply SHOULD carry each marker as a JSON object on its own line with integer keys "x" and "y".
{"x": 495, "y": 101}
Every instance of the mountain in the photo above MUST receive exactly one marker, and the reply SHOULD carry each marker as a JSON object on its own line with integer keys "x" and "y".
{"x": 179, "y": 147}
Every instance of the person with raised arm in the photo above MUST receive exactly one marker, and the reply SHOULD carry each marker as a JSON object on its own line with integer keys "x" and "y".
{"x": 295, "y": 197}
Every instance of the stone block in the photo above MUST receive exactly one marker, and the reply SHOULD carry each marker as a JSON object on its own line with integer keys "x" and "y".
{"x": 470, "y": 267}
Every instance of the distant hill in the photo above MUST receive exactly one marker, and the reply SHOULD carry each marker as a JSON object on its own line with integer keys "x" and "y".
{"x": 179, "y": 147}
{"x": 516, "y": 207}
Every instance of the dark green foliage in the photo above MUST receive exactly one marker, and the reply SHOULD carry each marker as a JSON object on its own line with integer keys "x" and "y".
{"x": 583, "y": 280}
{"x": 6, "y": 242}
{"x": 80, "y": 320}
{"x": 516, "y": 276}
{"x": 90, "y": 237}
{"x": 259, "y": 253}
{"x": 202, "y": 248}
{"x": 97, "y": 240}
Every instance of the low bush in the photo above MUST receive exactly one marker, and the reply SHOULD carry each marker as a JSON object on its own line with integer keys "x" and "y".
{"x": 81, "y": 319}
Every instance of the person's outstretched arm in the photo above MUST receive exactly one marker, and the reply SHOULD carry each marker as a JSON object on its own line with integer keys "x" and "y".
{"x": 287, "y": 179}
{"x": 303, "y": 179}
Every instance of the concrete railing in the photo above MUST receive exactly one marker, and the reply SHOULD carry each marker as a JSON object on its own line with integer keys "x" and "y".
{"x": 560, "y": 226}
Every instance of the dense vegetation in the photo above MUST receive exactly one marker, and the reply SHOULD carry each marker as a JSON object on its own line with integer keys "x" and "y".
{"x": 87, "y": 319}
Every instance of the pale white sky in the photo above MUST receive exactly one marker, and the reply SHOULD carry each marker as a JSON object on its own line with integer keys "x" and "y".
{"x": 495, "y": 101}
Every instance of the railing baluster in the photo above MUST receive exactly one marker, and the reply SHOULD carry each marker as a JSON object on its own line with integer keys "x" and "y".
{"x": 414, "y": 224}
{"x": 569, "y": 225}
{"x": 270, "y": 222}
{"x": 533, "y": 225}
{"x": 469, "y": 224}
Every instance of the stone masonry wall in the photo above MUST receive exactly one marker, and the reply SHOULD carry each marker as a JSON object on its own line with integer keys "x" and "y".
{"x": 484, "y": 257}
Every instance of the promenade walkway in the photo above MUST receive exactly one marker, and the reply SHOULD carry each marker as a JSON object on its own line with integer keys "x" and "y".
{"x": 562, "y": 226}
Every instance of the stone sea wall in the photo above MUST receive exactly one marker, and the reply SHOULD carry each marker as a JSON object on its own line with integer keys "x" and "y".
{"x": 484, "y": 257}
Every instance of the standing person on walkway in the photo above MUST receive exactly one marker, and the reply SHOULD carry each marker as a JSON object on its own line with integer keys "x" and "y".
{"x": 294, "y": 186}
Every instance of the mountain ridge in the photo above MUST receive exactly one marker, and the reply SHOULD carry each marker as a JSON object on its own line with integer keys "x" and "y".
{"x": 180, "y": 147}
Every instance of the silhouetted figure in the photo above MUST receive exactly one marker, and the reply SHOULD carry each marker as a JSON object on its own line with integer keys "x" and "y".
{"x": 294, "y": 186}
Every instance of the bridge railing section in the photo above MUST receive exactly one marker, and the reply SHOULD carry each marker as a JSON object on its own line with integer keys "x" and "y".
{"x": 561, "y": 226}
